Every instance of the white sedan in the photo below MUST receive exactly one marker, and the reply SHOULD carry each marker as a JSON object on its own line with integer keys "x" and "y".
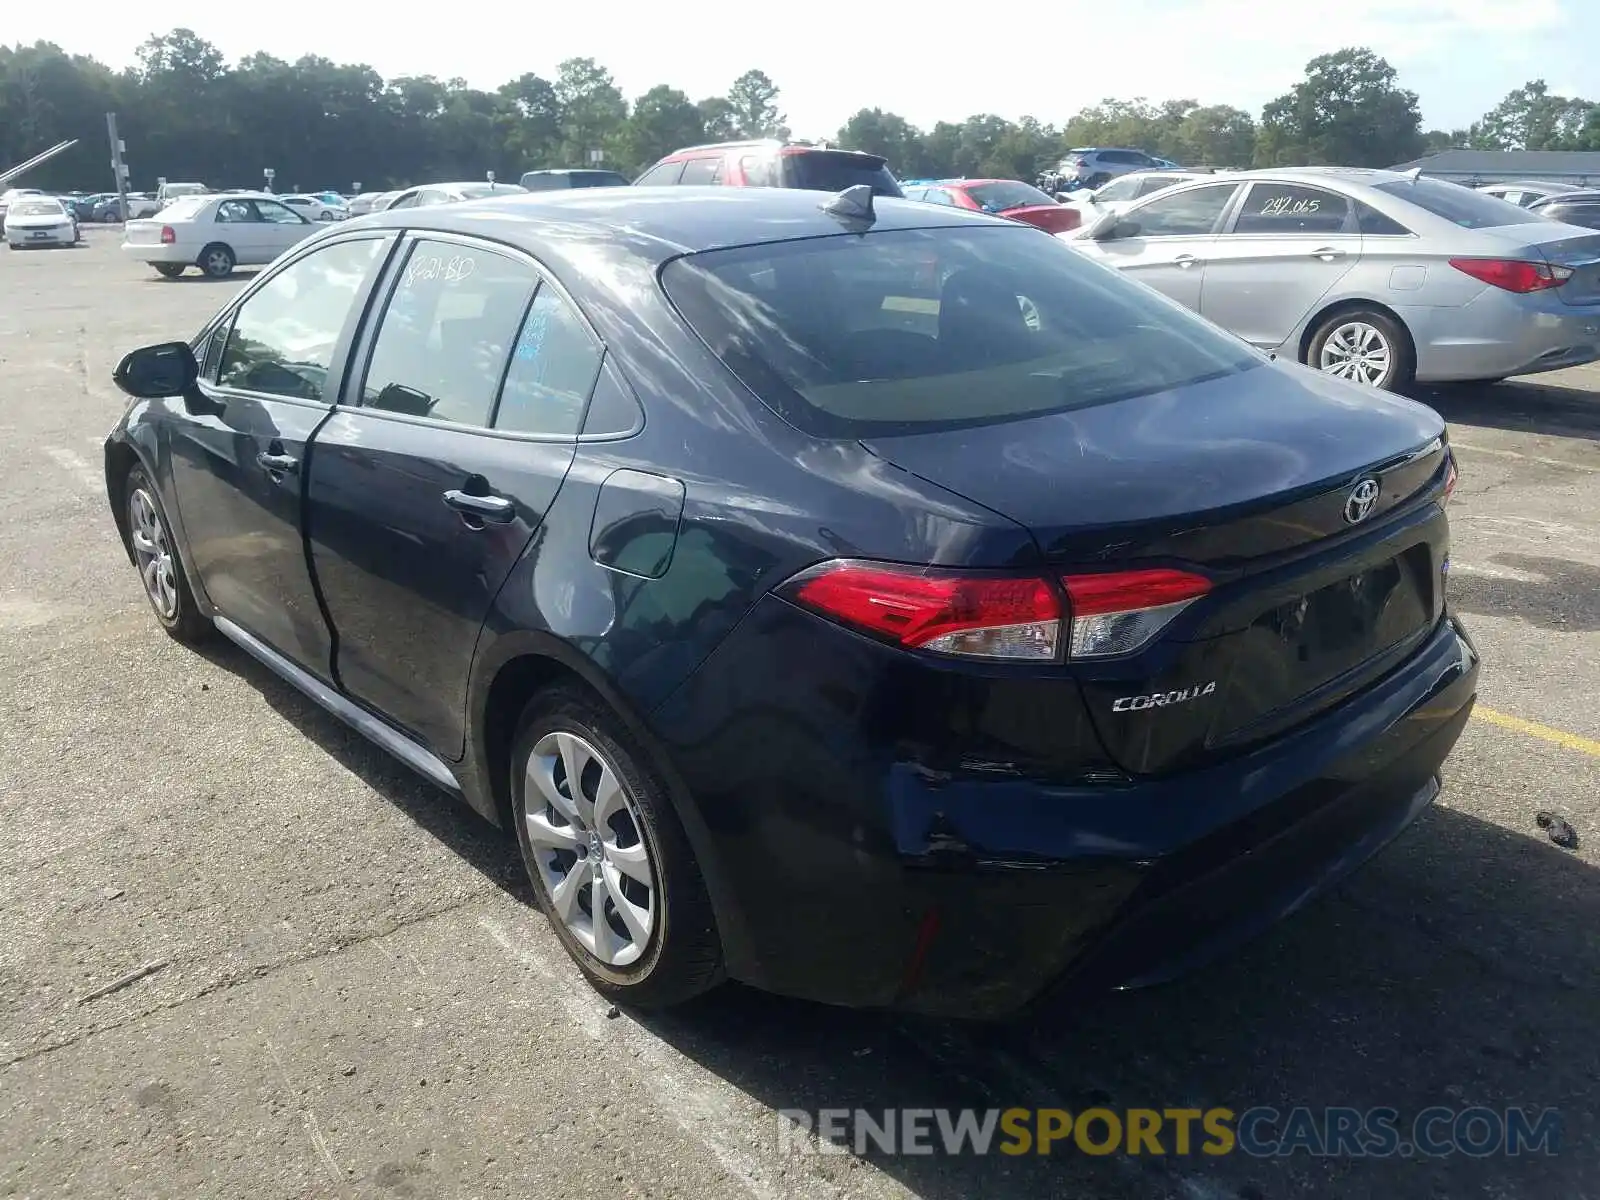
{"x": 39, "y": 221}
{"x": 215, "y": 233}
{"x": 315, "y": 209}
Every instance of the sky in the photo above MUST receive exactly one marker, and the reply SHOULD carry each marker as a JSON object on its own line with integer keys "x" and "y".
{"x": 1046, "y": 60}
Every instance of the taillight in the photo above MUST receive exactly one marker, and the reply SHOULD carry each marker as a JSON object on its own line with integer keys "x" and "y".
{"x": 947, "y": 612}
{"x": 1119, "y": 612}
{"x": 168, "y": 235}
{"x": 998, "y": 616}
{"x": 1513, "y": 274}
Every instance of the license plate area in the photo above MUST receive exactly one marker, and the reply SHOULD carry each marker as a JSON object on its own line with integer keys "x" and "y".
{"x": 1339, "y": 625}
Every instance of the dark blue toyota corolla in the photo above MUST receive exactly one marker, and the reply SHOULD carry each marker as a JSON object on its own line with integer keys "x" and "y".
{"x": 868, "y": 601}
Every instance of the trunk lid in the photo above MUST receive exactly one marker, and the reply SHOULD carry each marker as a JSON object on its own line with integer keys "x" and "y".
{"x": 1052, "y": 218}
{"x": 1247, "y": 480}
{"x": 142, "y": 233}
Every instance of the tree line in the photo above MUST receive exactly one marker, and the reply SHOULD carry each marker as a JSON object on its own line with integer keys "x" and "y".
{"x": 185, "y": 113}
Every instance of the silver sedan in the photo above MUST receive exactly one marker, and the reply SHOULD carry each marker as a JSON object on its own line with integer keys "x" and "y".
{"x": 1374, "y": 276}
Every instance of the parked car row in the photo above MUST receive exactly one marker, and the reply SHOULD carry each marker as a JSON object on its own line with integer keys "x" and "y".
{"x": 1373, "y": 276}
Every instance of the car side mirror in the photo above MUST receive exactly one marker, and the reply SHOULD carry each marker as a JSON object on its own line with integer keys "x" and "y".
{"x": 157, "y": 372}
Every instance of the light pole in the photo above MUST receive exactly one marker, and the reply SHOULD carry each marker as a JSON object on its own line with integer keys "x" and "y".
{"x": 269, "y": 175}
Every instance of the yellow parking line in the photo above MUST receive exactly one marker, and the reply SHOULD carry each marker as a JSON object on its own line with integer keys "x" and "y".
{"x": 1560, "y": 737}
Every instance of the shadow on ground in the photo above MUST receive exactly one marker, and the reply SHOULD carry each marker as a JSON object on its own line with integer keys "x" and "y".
{"x": 1558, "y": 594}
{"x": 1457, "y": 969}
{"x": 1521, "y": 405}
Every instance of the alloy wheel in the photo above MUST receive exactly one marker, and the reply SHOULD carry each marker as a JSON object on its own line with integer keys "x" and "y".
{"x": 589, "y": 848}
{"x": 153, "y": 551}
{"x": 1356, "y": 351}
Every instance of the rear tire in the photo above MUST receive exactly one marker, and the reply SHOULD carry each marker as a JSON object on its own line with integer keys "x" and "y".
{"x": 170, "y": 270}
{"x": 618, "y": 825}
{"x": 217, "y": 261}
{"x": 161, "y": 569}
{"x": 1364, "y": 346}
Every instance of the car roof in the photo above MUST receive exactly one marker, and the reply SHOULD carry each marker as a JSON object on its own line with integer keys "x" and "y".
{"x": 654, "y": 224}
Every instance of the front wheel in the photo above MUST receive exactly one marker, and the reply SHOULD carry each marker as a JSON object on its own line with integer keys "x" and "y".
{"x": 155, "y": 553}
{"x": 607, "y": 857}
{"x": 1364, "y": 346}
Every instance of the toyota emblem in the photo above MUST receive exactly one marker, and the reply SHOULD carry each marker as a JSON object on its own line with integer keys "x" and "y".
{"x": 1362, "y": 500}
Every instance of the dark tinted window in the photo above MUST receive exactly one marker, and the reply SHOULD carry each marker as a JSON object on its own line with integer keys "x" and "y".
{"x": 283, "y": 337}
{"x": 835, "y": 170}
{"x": 613, "y": 408}
{"x": 699, "y": 171}
{"x": 547, "y": 181}
{"x": 597, "y": 179}
{"x": 447, "y": 332}
{"x": 1374, "y": 222}
{"x": 910, "y": 330}
{"x": 552, "y": 370}
{"x": 1006, "y": 194}
{"x": 1192, "y": 212}
{"x": 1459, "y": 205}
{"x": 666, "y": 173}
{"x": 1154, "y": 183}
{"x": 1126, "y": 188}
{"x": 1283, "y": 208}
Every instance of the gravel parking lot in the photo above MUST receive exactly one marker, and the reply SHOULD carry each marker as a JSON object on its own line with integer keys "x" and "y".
{"x": 357, "y": 999}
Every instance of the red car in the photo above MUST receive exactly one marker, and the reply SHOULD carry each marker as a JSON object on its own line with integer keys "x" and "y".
{"x": 1007, "y": 197}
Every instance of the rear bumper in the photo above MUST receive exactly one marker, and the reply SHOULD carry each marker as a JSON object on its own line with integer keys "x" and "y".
{"x": 1499, "y": 335}
{"x": 32, "y": 237}
{"x": 962, "y": 896}
{"x": 156, "y": 252}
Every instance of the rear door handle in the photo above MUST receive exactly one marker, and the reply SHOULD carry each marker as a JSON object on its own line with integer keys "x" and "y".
{"x": 277, "y": 464}
{"x": 1327, "y": 254}
{"x": 485, "y": 508}
{"x": 1186, "y": 261}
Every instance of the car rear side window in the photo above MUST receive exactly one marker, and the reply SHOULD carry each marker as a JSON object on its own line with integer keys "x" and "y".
{"x": 1154, "y": 183}
{"x": 906, "y": 331}
{"x": 757, "y": 170}
{"x": 446, "y": 335}
{"x": 700, "y": 171}
{"x": 1285, "y": 208}
{"x": 1459, "y": 205}
{"x": 283, "y": 336}
{"x": 665, "y": 174}
{"x": 1371, "y": 221}
{"x": 552, "y": 370}
{"x": 1126, "y": 188}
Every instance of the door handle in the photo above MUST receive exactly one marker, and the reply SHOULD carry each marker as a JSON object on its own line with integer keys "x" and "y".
{"x": 1327, "y": 254}
{"x": 485, "y": 508}
{"x": 278, "y": 464}
{"x": 1186, "y": 261}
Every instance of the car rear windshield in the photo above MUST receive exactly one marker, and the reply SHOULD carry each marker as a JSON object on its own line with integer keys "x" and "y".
{"x": 910, "y": 331}
{"x": 37, "y": 208}
{"x": 1006, "y": 194}
{"x": 1459, "y": 205}
{"x": 833, "y": 171}
{"x": 185, "y": 206}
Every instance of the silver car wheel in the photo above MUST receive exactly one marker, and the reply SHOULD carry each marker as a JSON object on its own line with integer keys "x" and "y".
{"x": 589, "y": 847}
{"x": 153, "y": 553}
{"x": 1357, "y": 351}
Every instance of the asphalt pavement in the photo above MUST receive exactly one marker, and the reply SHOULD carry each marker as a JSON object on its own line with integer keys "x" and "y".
{"x": 351, "y": 995}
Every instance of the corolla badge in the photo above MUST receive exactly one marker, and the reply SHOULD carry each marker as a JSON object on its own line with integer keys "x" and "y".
{"x": 1363, "y": 498}
{"x": 1162, "y": 699}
